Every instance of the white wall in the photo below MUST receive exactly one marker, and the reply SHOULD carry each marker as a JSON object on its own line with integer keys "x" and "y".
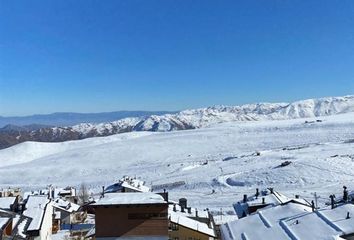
{"x": 46, "y": 230}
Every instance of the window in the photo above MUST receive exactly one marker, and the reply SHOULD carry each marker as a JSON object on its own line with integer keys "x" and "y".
{"x": 155, "y": 216}
{"x": 172, "y": 226}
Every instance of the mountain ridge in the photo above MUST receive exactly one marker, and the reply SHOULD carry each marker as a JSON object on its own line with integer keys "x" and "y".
{"x": 73, "y": 118}
{"x": 187, "y": 119}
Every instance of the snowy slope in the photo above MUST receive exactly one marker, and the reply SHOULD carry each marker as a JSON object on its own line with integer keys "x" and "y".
{"x": 221, "y": 157}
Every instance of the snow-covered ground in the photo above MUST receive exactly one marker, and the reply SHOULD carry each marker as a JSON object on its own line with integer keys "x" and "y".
{"x": 218, "y": 164}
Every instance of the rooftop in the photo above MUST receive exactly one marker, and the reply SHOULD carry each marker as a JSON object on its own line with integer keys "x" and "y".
{"x": 6, "y": 202}
{"x": 35, "y": 209}
{"x": 267, "y": 222}
{"x": 65, "y": 205}
{"x": 201, "y": 213}
{"x": 181, "y": 219}
{"x": 270, "y": 199}
{"x": 293, "y": 221}
{"x": 128, "y": 182}
{"x": 130, "y": 198}
{"x": 323, "y": 224}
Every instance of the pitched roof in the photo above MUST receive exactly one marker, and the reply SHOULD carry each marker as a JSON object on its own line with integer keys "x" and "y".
{"x": 265, "y": 224}
{"x": 35, "y": 209}
{"x": 65, "y": 205}
{"x": 325, "y": 223}
{"x": 6, "y": 202}
{"x": 293, "y": 221}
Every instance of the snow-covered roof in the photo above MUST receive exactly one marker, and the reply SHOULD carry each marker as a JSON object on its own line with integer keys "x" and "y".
{"x": 65, "y": 205}
{"x": 136, "y": 185}
{"x": 222, "y": 219}
{"x": 270, "y": 199}
{"x": 201, "y": 213}
{"x": 6, "y": 202}
{"x": 130, "y": 183}
{"x": 323, "y": 224}
{"x": 130, "y": 198}
{"x": 182, "y": 220}
{"x": 35, "y": 209}
{"x": 20, "y": 224}
{"x": 265, "y": 224}
{"x": 293, "y": 221}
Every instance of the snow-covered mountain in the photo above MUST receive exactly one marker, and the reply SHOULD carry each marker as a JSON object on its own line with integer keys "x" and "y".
{"x": 188, "y": 119}
{"x": 72, "y": 118}
{"x": 231, "y": 158}
{"x": 203, "y": 117}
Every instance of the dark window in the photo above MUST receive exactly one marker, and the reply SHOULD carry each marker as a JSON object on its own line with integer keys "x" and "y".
{"x": 147, "y": 216}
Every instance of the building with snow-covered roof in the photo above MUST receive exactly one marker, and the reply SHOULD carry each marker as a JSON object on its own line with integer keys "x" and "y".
{"x": 39, "y": 209}
{"x": 265, "y": 198}
{"x": 131, "y": 216}
{"x": 20, "y": 225}
{"x": 325, "y": 223}
{"x": 10, "y": 192}
{"x": 128, "y": 184}
{"x": 264, "y": 224}
{"x": 189, "y": 223}
{"x": 13, "y": 226}
{"x": 293, "y": 221}
{"x": 66, "y": 212}
{"x": 9, "y": 203}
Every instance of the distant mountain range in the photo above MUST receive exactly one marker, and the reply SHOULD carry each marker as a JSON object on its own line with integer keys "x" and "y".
{"x": 69, "y": 118}
{"x": 188, "y": 119}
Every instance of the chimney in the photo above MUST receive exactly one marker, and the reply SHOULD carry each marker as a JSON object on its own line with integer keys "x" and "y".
{"x": 164, "y": 195}
{"x": 183, "y": 202}
{"x": 348, "y": 215}
{"x": 196, "y": 213}
{"x": 182, "y": 209}
{"x": 345, "y": 194}
{"x": 257, "y": 193}
{"x": 189, "y": 210}
{"x": 263, "y": 200}
{"x": 313, "y": 206}
{"x": 102, "y": 191}
{"x": 297, "y": 196}
{"x": 245, "y": 198}
{"x": 174, "y": 208}
{"x": 271, "y": 190}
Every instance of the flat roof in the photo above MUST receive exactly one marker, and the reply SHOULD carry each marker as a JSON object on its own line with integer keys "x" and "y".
{"x": 130, "y": 198}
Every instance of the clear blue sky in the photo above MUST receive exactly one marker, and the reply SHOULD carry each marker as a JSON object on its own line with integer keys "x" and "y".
{"x": 94, "y": 56}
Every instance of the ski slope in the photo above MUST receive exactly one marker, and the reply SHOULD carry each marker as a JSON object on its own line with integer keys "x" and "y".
{"x": 217, "y": 164}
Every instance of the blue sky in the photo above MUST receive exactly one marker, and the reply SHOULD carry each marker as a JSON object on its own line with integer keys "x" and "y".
{"x": 95, "y": 56}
